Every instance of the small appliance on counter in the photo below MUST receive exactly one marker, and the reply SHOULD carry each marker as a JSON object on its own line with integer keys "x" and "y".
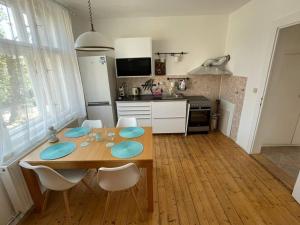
{"x": 121, "y": 91}
{"x": 135, "y": 91}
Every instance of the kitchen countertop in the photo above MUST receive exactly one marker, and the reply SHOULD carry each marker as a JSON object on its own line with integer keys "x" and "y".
{"x": 151, "y": 98}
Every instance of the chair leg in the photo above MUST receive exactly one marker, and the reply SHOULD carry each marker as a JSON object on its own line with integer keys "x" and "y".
{"x": 66, "y": 200}
{"x": 137, "y": 204}
{"x": 45, "y": 201}
{"x": 88, "y": 187}
{"x": 106, "y": 207}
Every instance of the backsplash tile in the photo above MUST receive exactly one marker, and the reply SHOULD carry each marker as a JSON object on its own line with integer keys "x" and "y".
{"x": 206, "y": 85}
{"x": 232, "y": 89}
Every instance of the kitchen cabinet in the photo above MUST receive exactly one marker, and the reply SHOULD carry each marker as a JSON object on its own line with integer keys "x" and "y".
{"x": 169, "y": 116}
{"x": 162, "y": 116}
{"x": 140, "y": 110}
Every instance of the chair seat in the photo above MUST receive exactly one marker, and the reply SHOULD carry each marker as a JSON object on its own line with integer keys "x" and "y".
{"x": 73, "y": 175}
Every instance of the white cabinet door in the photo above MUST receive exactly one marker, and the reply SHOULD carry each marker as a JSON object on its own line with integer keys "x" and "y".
{"x": 168, "y": 109}
{"x": 168, "y": 125}
{"x": 169, "y": 116}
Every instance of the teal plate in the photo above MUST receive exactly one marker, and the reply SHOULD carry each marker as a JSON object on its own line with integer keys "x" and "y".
{"x": 57, "y": 151}
{"x": 127, "y": 149}
{"x": 132, "y": 132}
{"x": 77, "y": 132}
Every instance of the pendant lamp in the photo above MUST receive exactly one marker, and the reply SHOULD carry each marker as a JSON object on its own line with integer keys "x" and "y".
{"x": 92, "y": 40}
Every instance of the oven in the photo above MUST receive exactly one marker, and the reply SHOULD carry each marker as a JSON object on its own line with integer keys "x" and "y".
{"x": 198, "y": 118}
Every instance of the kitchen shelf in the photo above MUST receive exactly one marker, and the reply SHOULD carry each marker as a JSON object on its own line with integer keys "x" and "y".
{"x": 178, "y": 78}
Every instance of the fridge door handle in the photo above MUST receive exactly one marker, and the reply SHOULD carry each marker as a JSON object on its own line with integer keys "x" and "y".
{"x": 98, "y": 103}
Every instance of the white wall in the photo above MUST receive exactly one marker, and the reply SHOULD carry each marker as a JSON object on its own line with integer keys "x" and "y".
{"x": 201, "y": 36}
{"x": 251, "y": 34}
{"x": 6, "y": 211}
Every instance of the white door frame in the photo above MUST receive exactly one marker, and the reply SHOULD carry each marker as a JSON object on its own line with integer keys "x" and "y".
{"x": 284, "y": 22}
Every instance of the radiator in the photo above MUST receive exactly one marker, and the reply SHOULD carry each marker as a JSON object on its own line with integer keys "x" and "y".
{"x": 227, "y": 111}
{"x": 16, "y": 187}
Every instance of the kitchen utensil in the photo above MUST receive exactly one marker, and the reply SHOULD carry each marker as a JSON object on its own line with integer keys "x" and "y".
{"x": 182, "y": 85}
{"x": 135, "y": 91}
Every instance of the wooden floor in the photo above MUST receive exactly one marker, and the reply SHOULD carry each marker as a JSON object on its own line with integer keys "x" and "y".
{"x": 198, "y": 179}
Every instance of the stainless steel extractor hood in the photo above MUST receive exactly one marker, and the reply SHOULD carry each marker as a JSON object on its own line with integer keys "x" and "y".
{"x": 216, "y": 66}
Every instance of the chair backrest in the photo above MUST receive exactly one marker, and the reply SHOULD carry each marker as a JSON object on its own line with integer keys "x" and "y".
{"x": 127, "y": 122}
{"x": 49, "y": 178}
{"x": 118, "y": 178}
{"x": 92, "y": 124}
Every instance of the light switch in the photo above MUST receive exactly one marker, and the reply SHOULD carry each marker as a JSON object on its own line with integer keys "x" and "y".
{"x": 255, "y": 90}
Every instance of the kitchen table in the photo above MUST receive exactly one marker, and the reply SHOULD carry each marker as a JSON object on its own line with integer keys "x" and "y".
{"x": 95, "y": 155}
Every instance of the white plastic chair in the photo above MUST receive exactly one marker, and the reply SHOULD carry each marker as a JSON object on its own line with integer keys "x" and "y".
{"x": 58, "y": 180}
{"x": 119, "y": 179}
{"x": 92, "y": 124}
{"x": 127, "y": 122}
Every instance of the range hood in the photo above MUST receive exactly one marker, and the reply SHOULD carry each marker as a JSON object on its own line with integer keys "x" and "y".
{"x": 216, "y": 66}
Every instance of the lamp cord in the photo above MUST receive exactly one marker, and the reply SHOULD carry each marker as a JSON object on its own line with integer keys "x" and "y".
{"x": 91, "y": 15}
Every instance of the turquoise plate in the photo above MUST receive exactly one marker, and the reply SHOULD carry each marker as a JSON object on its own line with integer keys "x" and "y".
{"x": 57, "y": 151}
{"x": 127, "y": 149}
{"x": 77, "y": 132}
{"x": 132, "y": 132}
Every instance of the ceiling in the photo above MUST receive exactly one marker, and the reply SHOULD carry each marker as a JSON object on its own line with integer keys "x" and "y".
{"x": 149, "y": 8}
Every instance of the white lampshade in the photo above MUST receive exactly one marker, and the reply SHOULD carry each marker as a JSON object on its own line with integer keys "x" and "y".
{"x": 92, "y": 41}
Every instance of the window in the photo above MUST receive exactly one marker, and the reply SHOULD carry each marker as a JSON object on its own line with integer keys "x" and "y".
{"x": 39, "y": 78}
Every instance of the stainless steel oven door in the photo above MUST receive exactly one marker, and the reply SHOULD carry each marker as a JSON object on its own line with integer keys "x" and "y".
{"x": 199, "y": 120}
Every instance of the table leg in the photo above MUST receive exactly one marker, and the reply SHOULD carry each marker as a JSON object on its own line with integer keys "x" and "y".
{"x": 34, "y": 188}
{"x": 150, "y": 187}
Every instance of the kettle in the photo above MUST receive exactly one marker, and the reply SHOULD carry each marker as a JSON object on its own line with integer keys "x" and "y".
{"x": 135, "y": 91}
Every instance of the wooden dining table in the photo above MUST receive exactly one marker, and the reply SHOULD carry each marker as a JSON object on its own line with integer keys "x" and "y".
{"x": 95, "y": 155}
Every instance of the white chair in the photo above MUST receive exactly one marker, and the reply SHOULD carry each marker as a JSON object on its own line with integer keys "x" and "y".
{"x": 127, "y": 122}
{"x": 119, "y": 179}
{"x": 58, "y": 180}
{"x": 92, "y": 124}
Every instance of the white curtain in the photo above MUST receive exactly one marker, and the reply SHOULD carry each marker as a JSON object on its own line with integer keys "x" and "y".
{"x": 40, "y": 83}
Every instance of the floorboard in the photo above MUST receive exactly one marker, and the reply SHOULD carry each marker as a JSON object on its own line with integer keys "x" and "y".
{"x": 198, "y": 179}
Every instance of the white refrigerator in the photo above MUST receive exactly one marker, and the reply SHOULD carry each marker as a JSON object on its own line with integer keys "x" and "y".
{"x": 99, "y": 86}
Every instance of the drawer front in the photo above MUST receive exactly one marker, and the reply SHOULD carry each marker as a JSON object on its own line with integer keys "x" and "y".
{"x": 133, "y": 104}
{"x": 134, "y": 108}
{"x": 137, "y": 116}
{"x": 170, "y": 125}
{"x": 133, "y": 113}
{"x": 170, "y": 109}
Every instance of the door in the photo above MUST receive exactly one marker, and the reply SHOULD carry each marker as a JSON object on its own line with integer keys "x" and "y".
{"x": 94, "y": 76}
{"x": 282, "y": 103}
{"x": 296, "y": 137}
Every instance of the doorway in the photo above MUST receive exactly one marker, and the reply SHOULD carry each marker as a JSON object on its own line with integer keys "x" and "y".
{"x": 278, "y": 133}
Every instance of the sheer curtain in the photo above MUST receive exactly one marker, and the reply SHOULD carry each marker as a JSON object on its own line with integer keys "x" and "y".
{"x": 40, "y": 83}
